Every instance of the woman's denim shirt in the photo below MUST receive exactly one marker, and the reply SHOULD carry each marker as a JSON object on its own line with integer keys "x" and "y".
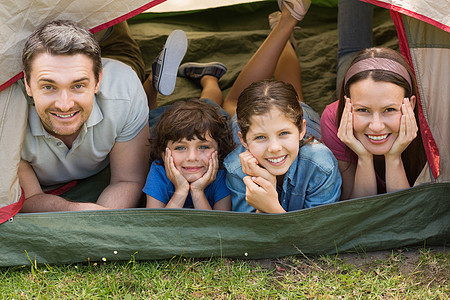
{"x": 313, "y": 179}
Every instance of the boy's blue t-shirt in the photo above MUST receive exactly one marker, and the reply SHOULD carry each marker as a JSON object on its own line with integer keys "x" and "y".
{"x": 159, "y": 186}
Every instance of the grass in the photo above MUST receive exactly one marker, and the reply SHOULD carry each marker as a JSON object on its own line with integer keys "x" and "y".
{"x": 400, "y": 274}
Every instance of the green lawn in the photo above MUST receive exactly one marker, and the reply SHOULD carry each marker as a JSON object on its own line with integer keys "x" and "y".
{"x": 397, "y": 274}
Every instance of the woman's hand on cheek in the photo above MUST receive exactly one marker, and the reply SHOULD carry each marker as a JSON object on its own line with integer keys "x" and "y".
{"x": 251, "y": 167}
{"x": 345, "y": 131}
{"x": 210, "y": 175}
{"x": 173, "y": 174}
{"x": 407, "y": 132}
{"x": 262, "y": 195}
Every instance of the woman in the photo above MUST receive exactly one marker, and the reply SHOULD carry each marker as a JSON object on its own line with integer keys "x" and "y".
{"x": 372, "y": 129}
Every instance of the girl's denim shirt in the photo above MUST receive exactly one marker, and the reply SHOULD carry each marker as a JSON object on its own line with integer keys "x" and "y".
{"x": 313, "y": 179}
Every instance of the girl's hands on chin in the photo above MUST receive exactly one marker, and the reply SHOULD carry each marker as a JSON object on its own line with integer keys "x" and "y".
{"x": 178, "y": 180}
{"x": 251, "y": 167}
{"x": 407, "y": 132}
{"x": 210, "y": 175}
{"x": 345, "y": 131}
{"x": 262, "y": 195}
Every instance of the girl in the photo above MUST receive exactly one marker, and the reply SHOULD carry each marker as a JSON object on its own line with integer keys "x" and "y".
{"x": 188, "y": 146}
{"x": 372, "y": 129}
{"x": 274, "y": 170}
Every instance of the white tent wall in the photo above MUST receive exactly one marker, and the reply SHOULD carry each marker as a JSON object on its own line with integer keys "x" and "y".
{"x": 435, "y": 12}
{"x": 186, "y": 5}
{"x": 430, "y": 53}
{"x": 423, "y": 28}
{"x": 19, "y": 20}
{"x": 13, "y": 117}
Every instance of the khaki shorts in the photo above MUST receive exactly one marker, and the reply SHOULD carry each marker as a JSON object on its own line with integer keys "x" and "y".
{"x": 117, "y": 43}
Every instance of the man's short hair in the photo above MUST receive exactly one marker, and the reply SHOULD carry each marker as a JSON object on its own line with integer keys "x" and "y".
{"x": 61, "y": 37}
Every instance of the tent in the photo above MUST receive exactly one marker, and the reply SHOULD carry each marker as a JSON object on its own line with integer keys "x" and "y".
{"x": 231, "y": 34}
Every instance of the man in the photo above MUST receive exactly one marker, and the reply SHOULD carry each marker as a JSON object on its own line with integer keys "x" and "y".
{"x": 89, "y": 114}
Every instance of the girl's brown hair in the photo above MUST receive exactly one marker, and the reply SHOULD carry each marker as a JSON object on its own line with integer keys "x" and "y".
{"x": 191, "y": 119}
{"x": 413, "y": 157}
{"x": 262, "y": 96}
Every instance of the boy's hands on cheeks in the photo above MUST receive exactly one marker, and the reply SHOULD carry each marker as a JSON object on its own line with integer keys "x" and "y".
{"x": 198, "y": 187}
{"x": 178, "y": 180}
{"x": 182, "y": 186}
{"x": 251, "y": 167}
{"x": 210, "y": 175}
{"x": 345, "y": 132}
{"x": 407, "y": 133}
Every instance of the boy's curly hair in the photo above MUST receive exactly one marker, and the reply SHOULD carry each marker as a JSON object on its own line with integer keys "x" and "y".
{"x": 191, "y": 119}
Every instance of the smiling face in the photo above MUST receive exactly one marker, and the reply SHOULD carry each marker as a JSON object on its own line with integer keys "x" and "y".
{"x": 376, "y": 108}
{"x": 191, "y": 158}
{"x": 63, "y": 88}
{"x": 273, "y": 140}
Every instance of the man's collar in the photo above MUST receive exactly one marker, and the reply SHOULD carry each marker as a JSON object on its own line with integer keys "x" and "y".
{"x": 96, "y": 114}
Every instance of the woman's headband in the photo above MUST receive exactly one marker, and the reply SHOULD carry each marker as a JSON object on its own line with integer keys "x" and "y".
{"x": 376, "y": 63}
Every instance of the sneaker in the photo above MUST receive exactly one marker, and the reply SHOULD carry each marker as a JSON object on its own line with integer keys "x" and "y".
{"x": 274, "y": 18}
{"x": 196, "y": 71}
{"x": 298, "y": 9}
{"x": 165, "y": 65}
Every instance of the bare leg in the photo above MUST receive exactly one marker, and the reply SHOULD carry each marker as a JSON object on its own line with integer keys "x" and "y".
{"x": 211, "y": 89}
{"x": 264, "y": 62}
{"x": 151, "y": 92}
{"x": 288, "y": 69}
